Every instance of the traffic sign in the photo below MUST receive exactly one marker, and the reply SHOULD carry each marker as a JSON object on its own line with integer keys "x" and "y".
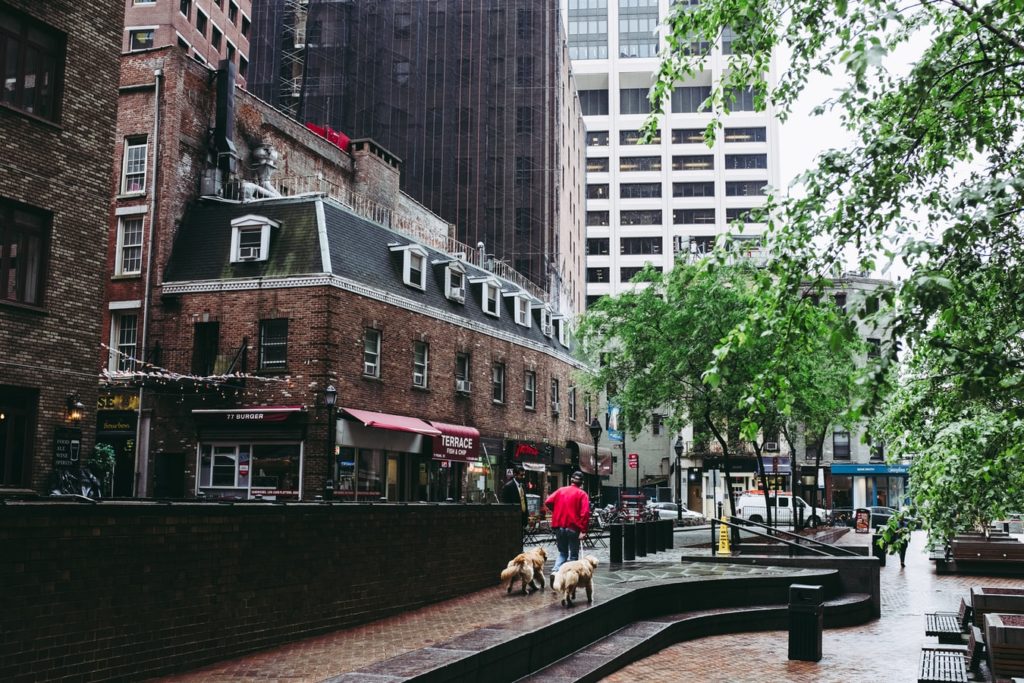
{"x": 634, "y": 459}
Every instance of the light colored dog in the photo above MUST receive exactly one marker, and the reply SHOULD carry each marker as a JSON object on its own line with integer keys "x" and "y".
{"x": 528, "y": 567}
{"x": 573, "y": 575}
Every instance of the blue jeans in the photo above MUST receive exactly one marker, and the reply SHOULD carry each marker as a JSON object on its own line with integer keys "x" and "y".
{"x": 568, "y": 541}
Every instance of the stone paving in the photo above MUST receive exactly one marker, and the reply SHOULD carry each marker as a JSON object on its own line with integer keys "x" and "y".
{"x": 883, "y": 650}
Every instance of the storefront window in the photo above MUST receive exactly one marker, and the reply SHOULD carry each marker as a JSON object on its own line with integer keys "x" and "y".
{"x": 842, "y": 491}
{"x": 241, "y": 471}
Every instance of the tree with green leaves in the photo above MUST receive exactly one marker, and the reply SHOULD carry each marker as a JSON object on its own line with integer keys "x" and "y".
{"x": 655, "y": 345}
{"x": 932, "y": 183}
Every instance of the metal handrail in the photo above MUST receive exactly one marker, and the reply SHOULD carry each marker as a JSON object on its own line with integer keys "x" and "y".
{"x": 797, "y": 536}
{"x": 746, "y": 526}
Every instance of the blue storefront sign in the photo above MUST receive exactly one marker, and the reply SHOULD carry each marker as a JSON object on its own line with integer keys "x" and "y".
{"x": 870, "y": 469}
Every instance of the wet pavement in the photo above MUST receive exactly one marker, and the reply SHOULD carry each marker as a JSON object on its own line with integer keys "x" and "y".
{"x": 887, "y": 649}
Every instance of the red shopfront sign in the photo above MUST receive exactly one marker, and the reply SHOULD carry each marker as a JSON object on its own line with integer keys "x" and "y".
{"x": 268, "y": 414}
{"x": 456, "y": 442}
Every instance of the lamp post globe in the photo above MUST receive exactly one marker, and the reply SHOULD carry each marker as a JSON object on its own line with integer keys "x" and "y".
{"x": 679, "y": 479}
{"x": 595, "y": 433}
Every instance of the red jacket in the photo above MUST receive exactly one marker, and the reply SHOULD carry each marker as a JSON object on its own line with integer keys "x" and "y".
{"x": 571, "y": 508}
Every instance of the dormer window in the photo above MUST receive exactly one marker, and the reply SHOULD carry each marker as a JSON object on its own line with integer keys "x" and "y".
{"x": 250, "y": 238}
{"x": 490, "y": 295}
{"x": 562, "y": 328}
{"x": 545, "y": 320}
{"x": 520, "y": 308}
{"x": 455, "y": 282}
{"x": 414, "y": 265}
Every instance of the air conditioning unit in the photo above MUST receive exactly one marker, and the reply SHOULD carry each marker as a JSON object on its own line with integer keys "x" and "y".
{"x": 370, "y": 369}
{"x": 248, "y": 253}
{"x": 556, "y": 408}
{"x": 771, "y": 446}
{"x": 463, "y": 386}
{"x": 548, "y": 330}
{"x": 419, "y": 379}
{"x": 457, "y": 293}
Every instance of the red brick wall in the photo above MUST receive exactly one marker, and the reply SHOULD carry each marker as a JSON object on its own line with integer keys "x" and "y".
{"x": 63, "y": 168}
{"x": 131, "y": 591}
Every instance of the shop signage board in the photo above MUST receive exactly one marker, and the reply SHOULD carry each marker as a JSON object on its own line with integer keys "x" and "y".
{"x": 634, "y": 461}
{"x": 862, "y": 521}
{"x": 67, "y": 446}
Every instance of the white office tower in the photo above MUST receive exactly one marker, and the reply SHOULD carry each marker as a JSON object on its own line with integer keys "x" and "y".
{"x": 647, "y": 203}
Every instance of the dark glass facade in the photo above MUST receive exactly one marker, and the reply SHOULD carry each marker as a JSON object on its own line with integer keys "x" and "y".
{"x": 474, "y": 96}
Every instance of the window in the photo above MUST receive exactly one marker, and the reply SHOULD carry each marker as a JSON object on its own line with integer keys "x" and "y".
{"x": 182, "y": 43}
{"x": 810, "y": 446}
{"x": 640, "y": 164}
{"x": 638, "y": 25}
{"x": 232, "y": 13}
{"x": 588, "y": 29}
{"x": 693, "y": 216}
{"x": 420, "y": 364}
{"x": 231, "y": 51}
{"x": 371, "y": 353}
{"x": 839, "y": 298}
{"x": 597, "y": 164}
{"x": 700, "y": 244}
{"x": 215, "y": 37}
{"x": 570, "y": 401}
{"x": 639, "y": 190}
{"x": 224, "y": 472}
{"x": 657, "y": 425}
{"x": 185, "y": 7}
{"x": 524, "y": 120}
{"x": 634, "y": 101}
{"x": 243, "y": 67}
{"x": 245, "y": 26}
{"x": 490, "y": 292}
{"x": 250, "y": 238}
{"x": 840, "y": 444}
{"x": 32, "y": 57}
{"x": 640, "y": 217}
{"x": 597, "y": 191}
{"x": 693, "y": 189}
{"x": 597, "y": 218}
{"x": 124, "y": 338}
{"x": 462, "y": 376}
{"x": 133, "y": 169}
{"x": 455, "y": 283}
{"x": 639, "y": 245}
{"x": 140, "y": 39}
{"x": 555, "y": 405}
{"x": 876, "y": 449}
{"x": 693, "y": 162}
{"x": 745, "y": 161}
{"x": 524, "y": 70}
{"x": 688, "y": 136}
{"x": 745, "y": 188}
{"x": 743, "y": 215}
{"x": 745, "y": 135}
{"x": 274, "y": 344}
{"x": 597, "y": 246}
{"x": 629, "y": 272}
{"x": 594, "y": 102}
{"x": 414, "y": 265}
{"x": 740, "y": 99}
{"x": 24, "y": 244}
{"x": 129, "y": 246}
{"x": 632, "y": 137}
{"x": 201, "y": 22}
{"x": 688, "y": 99}
{"x": 522, "y": 311}
{"x": 498, "y": 382}
{"x": 530, "y": 390}
{"x": 597, "y": 138}
{"x": 874, "y": 347}
{"x": 205, "y": 342}
{"x": 597, "y": 275}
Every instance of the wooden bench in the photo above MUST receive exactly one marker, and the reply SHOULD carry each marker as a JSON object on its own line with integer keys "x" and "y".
{"x": 948, "y": 626}
{"x": 942, "y": 665}
{"x": 975, "y": 648}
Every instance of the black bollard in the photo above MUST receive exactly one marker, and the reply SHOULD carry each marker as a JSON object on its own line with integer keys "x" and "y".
{"x": 652, "y": 538}
{"x": 660, "y": 534}
{"x": 629, "y": 542}
{"x": 670, "y": 536}
{"x": 615, "y": 540}
{"x": 641, "y": 539}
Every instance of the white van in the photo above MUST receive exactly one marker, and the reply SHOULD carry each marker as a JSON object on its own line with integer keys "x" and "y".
{"x": 750, "y": 505}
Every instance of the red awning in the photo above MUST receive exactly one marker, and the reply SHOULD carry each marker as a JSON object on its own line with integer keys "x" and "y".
{"x": 604, "y": 462}
{"x": 397, "y": 423}
{"x": 601, "y": 465}
{"x": 456, "y": 442}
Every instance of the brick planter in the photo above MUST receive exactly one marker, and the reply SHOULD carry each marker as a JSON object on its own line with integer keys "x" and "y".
{"x": 996, "y": 600}
{"x": 1004, "y": 637}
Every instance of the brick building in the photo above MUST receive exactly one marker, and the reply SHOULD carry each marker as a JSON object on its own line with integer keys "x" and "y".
{"x": 281, "y": 266}
{"x": 59, "y": 61}
{"x": 207, "y": 30}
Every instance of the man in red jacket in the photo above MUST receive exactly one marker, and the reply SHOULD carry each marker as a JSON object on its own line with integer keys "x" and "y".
{"x": 570, "y": 516}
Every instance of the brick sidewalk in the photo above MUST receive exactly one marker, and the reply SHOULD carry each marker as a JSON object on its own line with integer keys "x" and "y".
{"x": 885, "y": 650}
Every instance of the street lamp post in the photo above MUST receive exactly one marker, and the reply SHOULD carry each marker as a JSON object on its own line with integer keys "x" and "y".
{"x": 330, "y": 399}
{"x": 595, "y": 432}
{"x": 679, "y": 478}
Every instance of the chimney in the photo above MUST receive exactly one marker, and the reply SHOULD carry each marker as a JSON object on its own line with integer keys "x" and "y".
{"x": 227, "y": 157}
{"x": 483, "y": 254}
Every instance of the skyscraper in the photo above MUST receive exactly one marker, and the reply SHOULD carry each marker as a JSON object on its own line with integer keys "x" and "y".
{"x": 476, "y": 98}
{"x": 648, "y": 203}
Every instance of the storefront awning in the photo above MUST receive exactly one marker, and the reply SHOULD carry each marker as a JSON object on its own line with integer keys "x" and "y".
{"x": 601, "y": 465}
{"x": 397, "y": 423}
{"x": 456, "y": 442}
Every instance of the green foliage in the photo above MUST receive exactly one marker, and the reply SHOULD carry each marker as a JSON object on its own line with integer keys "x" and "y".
{"x": 933, "y": 182}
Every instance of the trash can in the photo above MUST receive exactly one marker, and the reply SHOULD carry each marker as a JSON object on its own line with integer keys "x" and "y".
{"x": 876, "y": 551}
{"x": 806, "y": 619}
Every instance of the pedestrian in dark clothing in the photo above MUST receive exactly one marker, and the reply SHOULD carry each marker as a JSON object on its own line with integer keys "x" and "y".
{"x": 514, "y": 493}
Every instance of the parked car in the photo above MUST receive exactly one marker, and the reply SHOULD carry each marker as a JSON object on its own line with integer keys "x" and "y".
{"x": 750, "y": 505}
{"x": 669, "y": 510}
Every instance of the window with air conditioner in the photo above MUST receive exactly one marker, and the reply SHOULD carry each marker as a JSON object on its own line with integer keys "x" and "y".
{"x": 420, "y": 364}
{"x": 455, "y": 282}
{"x": 546, "y": 325}
{"x": 371, "y": 353}
{"x": 463, "y": 385}
{"x": 555, "y": 404}
{"x": 250, "y": 238}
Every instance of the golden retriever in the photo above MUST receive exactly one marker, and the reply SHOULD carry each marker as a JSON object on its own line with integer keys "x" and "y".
{"x": 573, "y": 575}
{"x": 527, "y": 567}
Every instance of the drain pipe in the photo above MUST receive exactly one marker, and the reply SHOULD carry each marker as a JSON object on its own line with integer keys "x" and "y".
{"x": 142, "y": 459}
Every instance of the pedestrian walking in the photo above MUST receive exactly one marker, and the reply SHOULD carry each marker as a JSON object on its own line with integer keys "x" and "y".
{"x": 896, "y": 536}
{"x": 570, "y": 514}
{"x": 513, "y": 493}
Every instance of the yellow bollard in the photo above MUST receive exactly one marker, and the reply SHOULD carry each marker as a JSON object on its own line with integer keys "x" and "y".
{"x": 723, "y": 538}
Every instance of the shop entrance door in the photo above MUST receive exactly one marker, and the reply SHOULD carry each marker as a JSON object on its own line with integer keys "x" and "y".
{"x": 392, "y": 479}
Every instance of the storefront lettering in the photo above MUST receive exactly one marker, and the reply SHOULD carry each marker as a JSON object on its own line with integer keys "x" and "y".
{"x": 525, "y": 449}
{"x": 245, "y": 416}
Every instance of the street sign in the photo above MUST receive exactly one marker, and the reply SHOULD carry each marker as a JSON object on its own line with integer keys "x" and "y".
{"x": 634, "y": 460}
